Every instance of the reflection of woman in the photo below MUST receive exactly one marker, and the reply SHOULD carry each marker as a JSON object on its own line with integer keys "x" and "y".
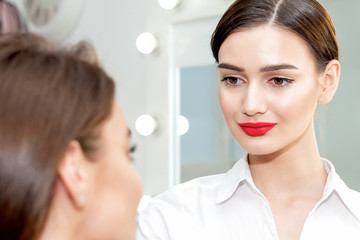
{"x": 65, "y": 170}
{"x": 277, "y": 60}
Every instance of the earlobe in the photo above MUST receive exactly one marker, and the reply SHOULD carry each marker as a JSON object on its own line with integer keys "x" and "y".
{"x": 329, "y": 81}
{"x": 73, "y": 174}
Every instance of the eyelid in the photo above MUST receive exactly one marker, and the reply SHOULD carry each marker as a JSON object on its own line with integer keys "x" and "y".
{"x": 227, "y": 77}
{"x": 231, "y": 75}
{"x": 287, "y": 81}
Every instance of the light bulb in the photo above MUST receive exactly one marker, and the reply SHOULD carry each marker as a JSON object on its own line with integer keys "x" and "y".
{"x": 182, "y": 126}
{"x": 146, "y": 43}
{"x": 168, "y": 4}
{"x": 145, "y": 125}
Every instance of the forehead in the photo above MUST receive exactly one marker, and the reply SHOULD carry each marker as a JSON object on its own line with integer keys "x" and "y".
{"x": 116, "y": 126}
{"x": 119, "y": 119}
{"x": 264, "y": 45}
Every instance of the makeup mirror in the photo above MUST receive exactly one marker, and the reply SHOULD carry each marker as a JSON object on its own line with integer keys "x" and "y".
{"x": 207, "y": 147}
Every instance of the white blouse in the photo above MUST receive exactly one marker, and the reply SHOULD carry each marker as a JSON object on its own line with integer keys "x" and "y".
{"x": 229, "y": 206}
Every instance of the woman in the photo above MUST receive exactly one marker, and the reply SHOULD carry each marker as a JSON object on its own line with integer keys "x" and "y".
{"x": 277, "y": 60}
{"x": 65, "y": 169}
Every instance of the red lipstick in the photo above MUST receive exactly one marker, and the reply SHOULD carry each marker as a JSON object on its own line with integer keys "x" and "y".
{"x": 257, "y": 128}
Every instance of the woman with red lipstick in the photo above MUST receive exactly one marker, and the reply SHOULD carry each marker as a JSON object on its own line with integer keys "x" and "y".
{"x": 277, "y": 60}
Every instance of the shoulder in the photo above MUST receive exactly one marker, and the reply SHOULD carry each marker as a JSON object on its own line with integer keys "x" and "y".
{"x": 355, "y": 194}
{"x": 354, "y": 202}
{"x": 200, "y": 193}
{"x": 351, "y": 198}
{"x": 188, "y": 192}
{"x": 177, "y": 206}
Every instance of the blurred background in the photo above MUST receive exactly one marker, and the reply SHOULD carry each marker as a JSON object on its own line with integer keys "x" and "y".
{"x": 167, "y": 81}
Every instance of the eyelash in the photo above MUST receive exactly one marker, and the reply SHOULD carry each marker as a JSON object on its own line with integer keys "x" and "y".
{"x": 132, "y": 148}
{"x": 227, "y": 79}
{"x": 286, "y": 80}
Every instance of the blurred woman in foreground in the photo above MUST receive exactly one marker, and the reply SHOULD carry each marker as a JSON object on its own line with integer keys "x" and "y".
{"x": 65, "y": 169}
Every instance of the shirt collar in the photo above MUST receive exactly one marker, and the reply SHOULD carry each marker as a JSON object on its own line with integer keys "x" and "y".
{"x": 241, "y": 172}
{"x": 231, "y": 180}
{"x": 334, "y": 183}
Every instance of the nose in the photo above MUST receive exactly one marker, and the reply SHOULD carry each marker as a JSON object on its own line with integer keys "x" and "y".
{"x": 253, "y": 101}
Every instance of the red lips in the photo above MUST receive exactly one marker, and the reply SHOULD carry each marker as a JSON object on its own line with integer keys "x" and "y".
{"x": 257, "y": 128}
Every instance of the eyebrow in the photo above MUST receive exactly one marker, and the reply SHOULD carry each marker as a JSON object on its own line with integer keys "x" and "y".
{"x": 231, "y": 67}
{"x": 272, "y": 68}
{"x": 269, "y": 68}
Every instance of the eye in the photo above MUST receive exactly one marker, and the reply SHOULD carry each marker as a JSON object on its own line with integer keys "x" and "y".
{"x": 281, "y": 81}
{"x": 232, "y": 81}
{"x": 132, "y": 148}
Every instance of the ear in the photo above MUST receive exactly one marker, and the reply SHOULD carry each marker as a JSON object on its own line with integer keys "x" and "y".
{"x": 329, "y": 81}
{"x": 73, "y": 174}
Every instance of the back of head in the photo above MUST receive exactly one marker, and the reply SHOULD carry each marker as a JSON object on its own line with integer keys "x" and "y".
{"x": 306, "y": 18}
{"x": 48, "y": 97}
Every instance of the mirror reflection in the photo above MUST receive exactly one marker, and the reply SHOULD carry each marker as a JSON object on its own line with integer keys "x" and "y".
{"x": 207, "y": 148}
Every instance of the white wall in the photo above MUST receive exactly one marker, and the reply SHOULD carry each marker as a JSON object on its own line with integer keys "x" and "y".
{"x": 112, "y": 27}
{"x": 340, "y": 121}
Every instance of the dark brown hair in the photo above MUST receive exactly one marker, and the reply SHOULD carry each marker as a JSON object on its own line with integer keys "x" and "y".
{"x": 48, "y": 97}
{"x": 307, "y": 18}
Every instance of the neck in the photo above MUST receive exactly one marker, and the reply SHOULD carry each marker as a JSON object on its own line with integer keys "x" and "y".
{"x": 296, "y": 168}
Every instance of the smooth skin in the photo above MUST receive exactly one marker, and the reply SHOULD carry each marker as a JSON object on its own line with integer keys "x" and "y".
{"x": 268, "y": 74}
{"x": 97, "y": 199}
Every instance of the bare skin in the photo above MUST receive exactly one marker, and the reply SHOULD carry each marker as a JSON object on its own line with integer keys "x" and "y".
{"x": 296, "y": 190}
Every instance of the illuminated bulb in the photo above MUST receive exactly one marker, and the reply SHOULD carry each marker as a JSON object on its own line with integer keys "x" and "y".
{"x": 145, "y": 125}
{"x": 146, "y": 43}
{"x": 168, "y": 4}
{"x": 182, "y": 125}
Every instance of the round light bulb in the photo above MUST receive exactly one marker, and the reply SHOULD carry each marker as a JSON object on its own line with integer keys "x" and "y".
{"x": 146, "y": 43}
{"x": 182, "y": 126}
{"x": 168, "y": 4}
{"x": 145, "y": 125}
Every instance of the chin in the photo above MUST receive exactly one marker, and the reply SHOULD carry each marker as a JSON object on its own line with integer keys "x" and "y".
{"x": 256, "y": 145}
{"x": 258, "y": 150}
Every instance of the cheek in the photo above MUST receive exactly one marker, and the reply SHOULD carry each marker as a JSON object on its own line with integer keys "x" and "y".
{"x": 132, "y": 186}
{"x": 123, "y": 180}
{"x": 296, "y": 106}
{"x": 228, "y": 103}
{"x": 130, "y": 193}
{"x": 127, "y": 187}
{"x": 117, "y": 201}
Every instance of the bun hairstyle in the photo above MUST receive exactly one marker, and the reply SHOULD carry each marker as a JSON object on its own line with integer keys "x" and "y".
{"x": 48, "y": 97}
{"x": 306, "y": 18}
